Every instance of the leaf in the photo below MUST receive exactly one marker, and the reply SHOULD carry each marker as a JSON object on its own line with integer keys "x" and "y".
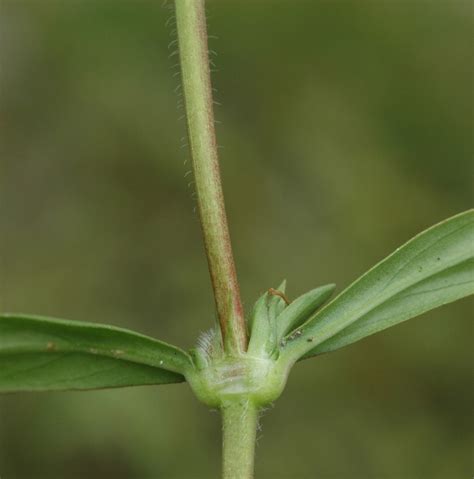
{"x": 44, "y": 354}
{"x": 276, "y": 304}
{"x": 262, "y": 322}
{"x": 261, "y": 330}
{"x": 434, "y": 268}
{"x": 271, "y": 318}
{"x": 75, "y": 371}
{"x": 302, "y": 308}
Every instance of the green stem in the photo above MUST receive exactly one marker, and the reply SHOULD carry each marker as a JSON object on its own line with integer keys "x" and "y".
{"x": 239, "y": 421}
{"x": 240, "y": 416}
{"x": 194, "y": 57}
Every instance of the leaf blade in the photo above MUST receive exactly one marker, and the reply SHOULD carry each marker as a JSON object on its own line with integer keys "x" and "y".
{"x": 394, "y": 311}
{"x": 302, "y": 308}
{"x": 25, "y": 373}
{"x": 440, "y": 255}
{"x": 130, "y": 358}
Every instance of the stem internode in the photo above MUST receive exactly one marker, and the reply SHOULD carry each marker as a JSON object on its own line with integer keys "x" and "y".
{"x": 194, "y": 58}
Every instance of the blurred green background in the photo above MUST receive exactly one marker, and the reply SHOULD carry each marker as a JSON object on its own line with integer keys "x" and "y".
{"x": 345, "y": 129}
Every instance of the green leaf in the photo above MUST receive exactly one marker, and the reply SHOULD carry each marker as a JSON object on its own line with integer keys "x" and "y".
{"x": 44, "y": 354}
{"x": 276, "y": 304}
{"x": 434, "y": 268}
{"x": 261, "y": 331}
{"x": 302, "y": 308}
{"x": 262, "y": 323}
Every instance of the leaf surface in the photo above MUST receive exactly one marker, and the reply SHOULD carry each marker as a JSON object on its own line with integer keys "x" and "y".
{"x": 302, "y": 308}
{"x": 434, "y": 268}
{"x": 44, "y": 354}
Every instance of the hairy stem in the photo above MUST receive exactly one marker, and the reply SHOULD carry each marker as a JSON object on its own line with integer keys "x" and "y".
{"x": 194, "y": 57}
{"x": 239, "y": 420}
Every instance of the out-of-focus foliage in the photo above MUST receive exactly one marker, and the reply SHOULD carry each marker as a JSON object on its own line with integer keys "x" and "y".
{"x": 346, "y": 129}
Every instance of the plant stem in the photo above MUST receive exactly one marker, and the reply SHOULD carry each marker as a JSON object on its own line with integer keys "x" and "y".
{"x": 239, "y": 421}
{"x": 239, "y": 418}
{"x": 194, "y": 57}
